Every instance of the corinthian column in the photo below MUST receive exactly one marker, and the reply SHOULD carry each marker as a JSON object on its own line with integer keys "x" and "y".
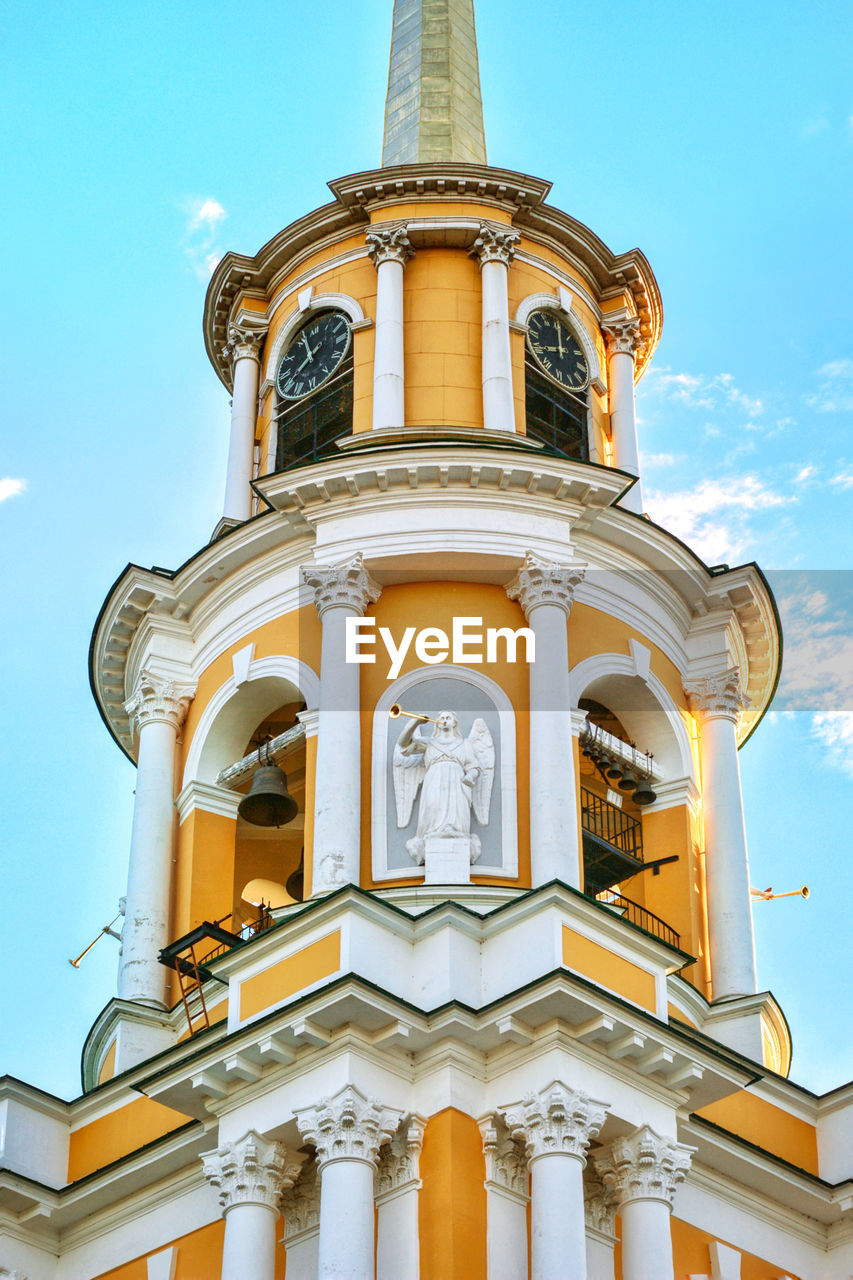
{"x": 347, "y": 1132}
{"x": 156, "y": 709}
{"x": 546, "y": 592}
{"x": 556, "y": 1127}
{"x": 623, "y": 342}
{"x": 494, "y": 249}
{"x": 340, "y": 591}
{"x": 250, "y": 1176}
{"x": 243, "y": 350}
{"x": 717, "y": 703}
{"x": 642, "y": 1172}
{"x": 389, "y": 251}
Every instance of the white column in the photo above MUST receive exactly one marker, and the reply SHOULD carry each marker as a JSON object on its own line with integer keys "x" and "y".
{"x": 546, "y": 592}
{"x": 397, "y": 1187}
{"x": 717, "y": 703}
{"x": 347, "y": 1132}
{"x": 507, "y": 1198}
{"x": 556, "y": 1127}
{"x": 642, "y": 1172}
{"x": 389, "y": 250}
{"x": 250, "y": 1176}
{"x": 623, "y": 341}
{"x": 340, "y": 592}
{"x": 156, "y": 709}
{"x": 494, "y": 249}
{"x": 243, "y": 349}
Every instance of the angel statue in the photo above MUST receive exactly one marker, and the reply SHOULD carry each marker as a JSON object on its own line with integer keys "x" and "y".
{"x": 455, "y": 775}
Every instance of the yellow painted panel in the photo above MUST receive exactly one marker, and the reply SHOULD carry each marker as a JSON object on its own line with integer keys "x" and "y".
{"x": 678, "y": 1016}
{"x": 199, "y": 1254}
{"x": 115, "y": 1135}
{"x": 316, "y": 961}
{"x": 768, "y": 1127}
{"x": 427, "y": 208}
{"x": 608, "y": 969}
{"x": 691, "y": 1256}
{"x": 108, "y": 1066}
{"x": 452, "y": 1200}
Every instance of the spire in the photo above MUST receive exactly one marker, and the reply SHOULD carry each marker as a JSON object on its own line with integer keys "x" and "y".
{"x": 434, "y": 110}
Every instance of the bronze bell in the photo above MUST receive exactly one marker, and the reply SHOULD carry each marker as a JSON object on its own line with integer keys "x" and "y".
{"x": 295, "y": 882}
{"x": 614, "y": 770}
{"x": 269, "y": 803}
{"x": 628, "y": 782}
{"x": 644, "y": 794}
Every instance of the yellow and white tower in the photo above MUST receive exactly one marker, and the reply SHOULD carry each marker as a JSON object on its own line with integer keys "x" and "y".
{"x": 470, "y": 993}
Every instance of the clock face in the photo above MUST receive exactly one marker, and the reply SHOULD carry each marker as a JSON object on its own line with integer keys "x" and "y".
{"x": 313, "y": 355}
{"x": 557, "y": 351}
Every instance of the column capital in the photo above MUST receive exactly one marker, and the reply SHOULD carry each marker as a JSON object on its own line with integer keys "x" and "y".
{"x": 398, "y": 1162}
{"x": 556, "y": 1121}
{"x": 643, "y": 1166}
{"x": 347, "y": 1127}
{"x": 599, "y": 1205}
{"x": 251, "y": 1171}
{"x": 494, "y": 244}
{"x": 717, "y": 697}
{"x": 506, "y": 1157}
{"x": 300, "y": 1203}
{"x": 390, "y": 244}
{"x": 156, "y": 697}
{"x": 544, "y": 582}
{"x": 244, "y": 342}
{"x": 348, "y": 584}
{"x": 623, "y": 336}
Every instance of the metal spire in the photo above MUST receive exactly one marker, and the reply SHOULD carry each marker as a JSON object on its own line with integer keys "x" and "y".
{"x": 434, "y": 111}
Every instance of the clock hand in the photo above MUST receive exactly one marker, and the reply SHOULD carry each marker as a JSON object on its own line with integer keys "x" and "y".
{"x": 307, "y": 348}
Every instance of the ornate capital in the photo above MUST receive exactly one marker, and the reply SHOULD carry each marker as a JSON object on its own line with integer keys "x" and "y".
{"x": 158, "y": 698}
{"x": 599, "y": 1204}
{"x": 644, "y": 1166}
{"x": 557, "y": 1121}
{"x": 392, "y": 245}
{"x": 398, "y": 1163}
{"x": 251, "y": 1171}
{"x": 347, "y": 1127}
{"x": 244, "y": 342}
{"x": 347, "y": 584}
{"x": 542, "y": 582}
{"x": 300, "y": 1203}
{"x": 494, "y": 244}
{"x": 717, "y": 697}
{"x": 623, "y": 336}
{"x": 506, "y": 1157}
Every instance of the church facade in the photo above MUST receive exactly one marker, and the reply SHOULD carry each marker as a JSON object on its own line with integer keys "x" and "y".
{"x": 437, "y": 954}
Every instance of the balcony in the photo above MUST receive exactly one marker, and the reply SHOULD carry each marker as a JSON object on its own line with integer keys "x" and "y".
{"x": 612, "y": 843}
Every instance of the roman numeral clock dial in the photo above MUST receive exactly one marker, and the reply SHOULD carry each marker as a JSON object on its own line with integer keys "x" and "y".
{"x": 557, "y": 351}
{"x": 313, "y": 356}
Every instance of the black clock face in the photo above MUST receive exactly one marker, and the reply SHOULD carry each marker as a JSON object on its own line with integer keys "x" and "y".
{"x": 313, "y": 355}
{"x": 557, "y": 351}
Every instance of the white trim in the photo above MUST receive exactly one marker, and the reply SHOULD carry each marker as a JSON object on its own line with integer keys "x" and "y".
{"x": 554, "y": 302}
{"x": 209, "y": 797}
{"x": 380, "y": 798}
{"x": 297, "y": 317}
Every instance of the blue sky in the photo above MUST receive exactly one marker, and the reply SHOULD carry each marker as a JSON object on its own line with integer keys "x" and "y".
{"x": 140, "y": 142}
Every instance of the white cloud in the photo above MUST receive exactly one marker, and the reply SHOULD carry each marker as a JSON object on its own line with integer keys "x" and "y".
{"x": 817, "y": 671}
{"x": 10, "y": 488}
{"x": 703, "y": 516}
{"x": 844, "y": 480}
{"x": 203, "y": 217}
{"x": 804, "y": 474}
{"x": 204, "y": 214}
{"x": 697, "y": 391}
{"x": 834, "y": 731}
{"x": 834, "y": 393}
{"x": 658, "y": 459}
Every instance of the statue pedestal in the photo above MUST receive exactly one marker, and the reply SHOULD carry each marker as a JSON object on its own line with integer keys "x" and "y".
{"x": 447, "y": 860}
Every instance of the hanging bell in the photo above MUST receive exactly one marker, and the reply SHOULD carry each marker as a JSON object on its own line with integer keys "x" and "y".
{"x": 295, "y": 882}
{"x": 628, "y": 781}
{"x": 614, "y": 770}
{"x": 644, "y": 794}
{"x": 269, "y": 803}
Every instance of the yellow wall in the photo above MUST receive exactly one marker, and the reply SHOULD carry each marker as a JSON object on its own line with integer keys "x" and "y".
{"x": 108, "y": 1066}
{"x": 452, "y": 1200}
{"x": 205, "y": 870}
{"x": 115, "y": 1135}
{"x": 443, "y": 322}
{"x": 608, "y": 969}
{"x": 676, "y": 893}
{"x": 768, "y": 1127}
{"x": 690, "y": 1249}
{"x": 318, "y": 960}
{"x": 199, "y": 1256}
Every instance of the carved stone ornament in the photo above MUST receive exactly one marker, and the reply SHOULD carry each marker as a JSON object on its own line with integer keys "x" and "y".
{"x": 643, "y": 1166}
{"x": 557, "y": 1121}
{"x": 244, "y": 342}
{"x": 495, "y": 244}
{"x": 347, "y": 1127}
{"x": 391, "y": 245}
{"x": 623, "y": 336}
{"x": 398, "y": 1161}
{"x": 506, "y": 1158}
{"x": 158, "y": 698}
{"x": 300, "y": 1203}
{"x": 599, "y": 1204}
{"x": 543, "y": 582}
{"x": 717, "y": 697}
{"x": 347, "y": 584}
{"x": 251, "y": 1171}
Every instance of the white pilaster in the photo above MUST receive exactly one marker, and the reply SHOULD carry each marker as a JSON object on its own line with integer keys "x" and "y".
{"x": 157, "y": 709}
{"x": 300, "y": 1205}
{"x": 250, "y": 1176}
{"x": 623, "y": 341}
{"x": 600, "y": 1215}
{"x": 507, "y": 1197}
{"x": 546, "y": 592}
{"x": 389, "y": 251}
{"x": 642, "y": 1172}
{"x": 347, "y": 1132}
{"x": 717, "y": 703}
{"x": 244, "y": 350}
{"x": 397, "y": 1187}
{"x": 494, "y": 249}
{"x": 556, "y": 1127}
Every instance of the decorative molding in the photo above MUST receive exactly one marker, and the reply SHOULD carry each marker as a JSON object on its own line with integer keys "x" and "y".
{"x": 599, "y": 1204}
{"x": 494, "y": 244}
{"x": 556, "y": 1121}
{"x": 158, "y": 699}
{"x": 506, "y": 1159}
{"x": 251, "y": 1171}
{"x": 310, "y": 721}
{"x": 389, "y": 244}
{"x": 244, "y": 343}
{"x": 718, "y": 697}
{"x": 347, "y": 1126}
{"x": 300, "y": 1203}
{"x": 541, "y": 582}
{"x": 644, "y": 1166}
{"x": 623, "y": 336}
{"x": 208, "y": 797}
{"x": 398, "y": 1161}
{"x": 347, "y": 585}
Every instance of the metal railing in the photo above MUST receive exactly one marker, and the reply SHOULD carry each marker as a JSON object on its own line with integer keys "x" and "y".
{"x": 639, "y": 915}
{"x": 607, "y": 822}
{"x": 244, "y": 932}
